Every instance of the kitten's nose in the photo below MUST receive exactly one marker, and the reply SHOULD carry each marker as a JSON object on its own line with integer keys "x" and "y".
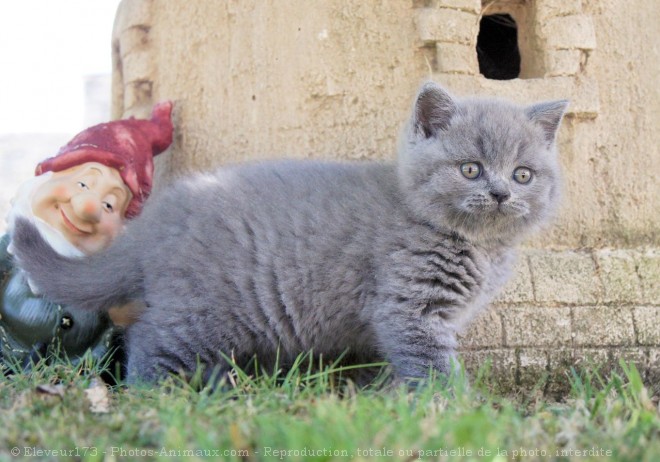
{"x": 500, "y": 196}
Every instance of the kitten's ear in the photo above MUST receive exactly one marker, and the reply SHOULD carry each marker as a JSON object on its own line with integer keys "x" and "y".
{"x": 548, "y": 116}
{"x": 434, "y": 109}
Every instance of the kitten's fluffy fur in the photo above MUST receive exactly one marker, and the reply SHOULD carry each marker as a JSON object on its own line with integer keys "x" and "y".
{"x": 387, "y": 260}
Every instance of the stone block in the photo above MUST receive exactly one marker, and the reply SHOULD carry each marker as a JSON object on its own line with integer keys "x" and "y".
{"x": 590, "y": 358}
{"x": 138, "y": 66}
{"x": 473, "y": 6}
{"x": 583, "y": 92}
{"x": 637, "y": 356}
{"x": 564, "y": 277}
{"x": 603, "y": 325}
{"x": 446, "y": 25}
{"x": 503, "y": 366}
{"x": 648, "y": 269}
{"x": 550, "y": 8}
{"x": 619, "y": 276}
{"x": 134, "y": 39}
{"x": 569, "y": 32}
{"x": 593, "y": 361}
{"x": 560, "y": 361}
{"x": 653, "y": 371}
{"x": 136, "y": 94}
{"x": 647, "y": 325}
{"x": 485, "y": 331}
{"x": 456, "y": 57}
{"x": 584, "y": 97}
{"x": 131, "y": 13}
{"x": 536, "y": 326}
{"x": 533, "y": 367}
{"x": 519, "y": 288}
{"x": 562, "y": 62}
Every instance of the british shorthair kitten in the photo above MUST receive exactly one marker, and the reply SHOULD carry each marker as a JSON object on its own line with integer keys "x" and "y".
{"x": 385, "y": 260}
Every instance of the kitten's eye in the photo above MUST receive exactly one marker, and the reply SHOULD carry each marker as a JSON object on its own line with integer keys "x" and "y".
{"x": 82, "y": 185}
{"x": 471, "y": 170}
{"x": 522, "y": 175}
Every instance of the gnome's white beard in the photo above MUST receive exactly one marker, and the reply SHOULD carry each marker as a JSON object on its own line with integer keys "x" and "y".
{"x": 22, "y": 207}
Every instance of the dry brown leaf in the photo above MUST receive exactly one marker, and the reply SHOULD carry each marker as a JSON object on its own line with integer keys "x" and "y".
{"x": 98, "y": 397}
{"x": 53, "y": 390}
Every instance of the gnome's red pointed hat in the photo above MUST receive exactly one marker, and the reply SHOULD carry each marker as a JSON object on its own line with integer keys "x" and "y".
{"x": 125, "y": 145}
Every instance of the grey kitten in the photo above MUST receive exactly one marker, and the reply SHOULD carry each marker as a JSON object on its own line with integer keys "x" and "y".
{"x": 387, "y": 260}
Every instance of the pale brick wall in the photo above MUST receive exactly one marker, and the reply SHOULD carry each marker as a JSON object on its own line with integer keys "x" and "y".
{"x": 566, "y": 307}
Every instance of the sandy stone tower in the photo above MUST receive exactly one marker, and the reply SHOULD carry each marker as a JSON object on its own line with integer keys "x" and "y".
{"x": 335, "y": 79}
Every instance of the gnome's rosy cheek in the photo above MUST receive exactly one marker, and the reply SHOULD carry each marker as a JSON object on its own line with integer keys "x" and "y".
{"x": 109, "y": 229}
{"x": 49, "y": 197}
{"x": 61, "y": 193}
{"x": 103, "y": 234}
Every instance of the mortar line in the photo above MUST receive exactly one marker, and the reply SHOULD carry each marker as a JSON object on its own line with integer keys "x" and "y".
{"x": 601, "y": 295}
{"x": 640, "y": 280}
{"x": 532, "y": 278}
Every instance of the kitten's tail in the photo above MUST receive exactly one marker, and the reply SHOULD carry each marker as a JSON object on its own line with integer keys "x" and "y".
{"x": 95, "y": 282}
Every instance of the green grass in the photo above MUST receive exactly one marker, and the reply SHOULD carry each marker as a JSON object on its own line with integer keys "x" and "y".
{"x": 310, "y": 415}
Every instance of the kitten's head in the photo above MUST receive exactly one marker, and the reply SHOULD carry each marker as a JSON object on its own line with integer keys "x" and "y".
{"x": 484, "y": 168}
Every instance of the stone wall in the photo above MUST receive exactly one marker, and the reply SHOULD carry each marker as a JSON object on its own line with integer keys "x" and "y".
{"x": 568, "y": 307}
{"x": 335, "y": 79}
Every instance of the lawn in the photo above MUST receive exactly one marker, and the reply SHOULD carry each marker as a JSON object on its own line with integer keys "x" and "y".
{"x": 60, "y": 411}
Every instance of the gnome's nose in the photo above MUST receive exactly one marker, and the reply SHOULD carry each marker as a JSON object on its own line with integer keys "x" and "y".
{"x": 87, "y": 207}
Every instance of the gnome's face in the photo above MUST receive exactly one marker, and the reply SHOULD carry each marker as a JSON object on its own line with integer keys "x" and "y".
{"x": 85, "y": 203}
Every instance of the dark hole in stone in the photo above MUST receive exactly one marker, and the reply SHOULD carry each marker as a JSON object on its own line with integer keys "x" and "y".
{"x": 497, "y": 47}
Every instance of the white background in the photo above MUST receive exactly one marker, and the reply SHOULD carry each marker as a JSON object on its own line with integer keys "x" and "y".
{"x": 48, "y": 49}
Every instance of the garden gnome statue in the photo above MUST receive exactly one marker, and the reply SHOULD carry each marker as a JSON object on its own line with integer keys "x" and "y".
{"x": 79, "y": 201}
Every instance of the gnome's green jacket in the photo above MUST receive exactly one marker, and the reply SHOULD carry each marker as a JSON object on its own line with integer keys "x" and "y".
{"x": 31, "y": 326}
